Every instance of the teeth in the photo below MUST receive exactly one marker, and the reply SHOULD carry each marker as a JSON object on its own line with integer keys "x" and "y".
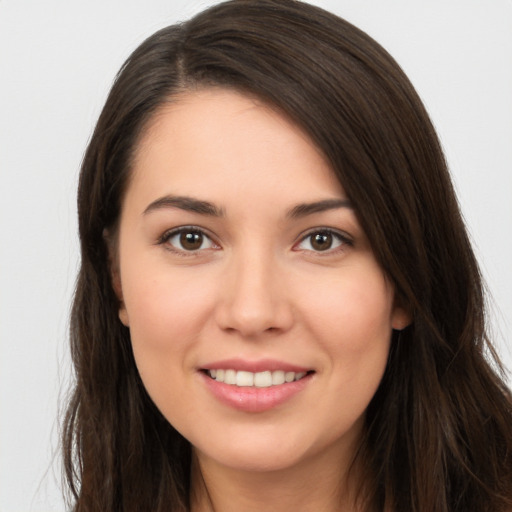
{"x": 278, "y": 378}
{"x": 230, "y": 377}
{"x": 263, "y": 379}
{"x": 250, "y": 379}
{"x": 244, "y": 379}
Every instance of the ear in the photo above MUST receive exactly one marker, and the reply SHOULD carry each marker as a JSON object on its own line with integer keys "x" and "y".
{"x": 401, "y": 316}
{"x": 115, "y": 275}
{"x": 400, "y": 319}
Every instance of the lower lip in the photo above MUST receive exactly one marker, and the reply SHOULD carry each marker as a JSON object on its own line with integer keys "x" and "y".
{"x": 253, "y": 399}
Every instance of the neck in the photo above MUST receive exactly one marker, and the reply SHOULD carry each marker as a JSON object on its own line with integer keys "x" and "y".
{"x": 307, "y": 487}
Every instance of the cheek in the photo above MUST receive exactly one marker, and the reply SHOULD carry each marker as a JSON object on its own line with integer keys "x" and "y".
{"x": 163, "y": 301}
{"x": 166, "y": 314}
{"x": 351, "y": 319}
{"x": 163, "y": 331}
{"x": 356, "y": 334}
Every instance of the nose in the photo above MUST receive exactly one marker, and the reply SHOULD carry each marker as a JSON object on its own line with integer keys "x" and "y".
{"x": 254, "y": 299}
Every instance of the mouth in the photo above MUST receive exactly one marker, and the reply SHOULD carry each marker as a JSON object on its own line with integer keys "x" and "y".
{"x": 263, "y": 379}
{"x": 255, "y": 386}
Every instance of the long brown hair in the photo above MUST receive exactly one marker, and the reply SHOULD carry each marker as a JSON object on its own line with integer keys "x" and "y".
{"x": 438, "y": 433}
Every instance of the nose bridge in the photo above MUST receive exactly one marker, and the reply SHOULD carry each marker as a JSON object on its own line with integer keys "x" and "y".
{"x": 254, "y": 298}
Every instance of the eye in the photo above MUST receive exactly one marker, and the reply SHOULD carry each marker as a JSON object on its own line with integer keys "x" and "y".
{"x": 187, "y": 239}
{"x": 322, "y": 240}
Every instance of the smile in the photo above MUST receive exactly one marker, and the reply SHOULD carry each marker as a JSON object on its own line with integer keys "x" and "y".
{"x": 255, "y": 392}
{"x": 262, "y": 379}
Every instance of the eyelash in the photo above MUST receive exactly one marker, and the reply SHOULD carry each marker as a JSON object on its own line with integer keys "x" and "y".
{"x": 183, "y": 230}
{"x": 341, "y": 239}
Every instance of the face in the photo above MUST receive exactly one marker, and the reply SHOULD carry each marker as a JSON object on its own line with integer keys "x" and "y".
{"x": 259, "y": 317}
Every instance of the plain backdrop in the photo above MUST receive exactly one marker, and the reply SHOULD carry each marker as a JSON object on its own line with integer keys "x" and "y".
{"x": 57, "y": 61}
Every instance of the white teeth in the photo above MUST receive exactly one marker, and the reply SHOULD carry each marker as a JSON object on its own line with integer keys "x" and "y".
{"x": 244, "y": 379}
{"x": 249, "y": 379}
{"x": 230, "y": 377}
{"x": 278, "y": 377}
{"x": 263, "y": 379}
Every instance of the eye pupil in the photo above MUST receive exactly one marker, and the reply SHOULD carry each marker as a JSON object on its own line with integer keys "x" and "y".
{"x": 321, "y": 241}
{"x": 191, "y": 240}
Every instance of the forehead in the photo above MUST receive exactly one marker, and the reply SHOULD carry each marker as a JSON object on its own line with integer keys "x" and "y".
{"x": 219, "y": 142}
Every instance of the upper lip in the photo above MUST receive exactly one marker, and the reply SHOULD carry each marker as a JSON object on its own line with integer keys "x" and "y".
{"x": 256, "y": 366}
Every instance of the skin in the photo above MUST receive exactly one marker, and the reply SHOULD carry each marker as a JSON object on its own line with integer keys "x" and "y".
{"x": 256, "y": 288}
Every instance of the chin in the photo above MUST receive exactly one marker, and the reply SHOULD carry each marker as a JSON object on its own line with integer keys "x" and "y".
{"x": 269, "y": 451}
{"x": 253, "y": 460}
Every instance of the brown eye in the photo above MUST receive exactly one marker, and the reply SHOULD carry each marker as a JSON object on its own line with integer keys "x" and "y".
{"x": 191, "y": 240}
{"x": 321, "y": 241}
{"x": 188, "y": 240}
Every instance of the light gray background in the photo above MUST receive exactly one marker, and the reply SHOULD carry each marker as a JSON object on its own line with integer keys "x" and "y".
{"x": 57, "y": 61}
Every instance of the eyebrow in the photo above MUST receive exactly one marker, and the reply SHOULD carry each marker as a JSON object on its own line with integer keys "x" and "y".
{"x": 206, "y": 208}
{"x": 188, "y": 204}
{"x": 304, "y": 209}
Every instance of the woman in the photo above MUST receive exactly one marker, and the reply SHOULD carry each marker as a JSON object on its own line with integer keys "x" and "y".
{"x": 278, "y": 305}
